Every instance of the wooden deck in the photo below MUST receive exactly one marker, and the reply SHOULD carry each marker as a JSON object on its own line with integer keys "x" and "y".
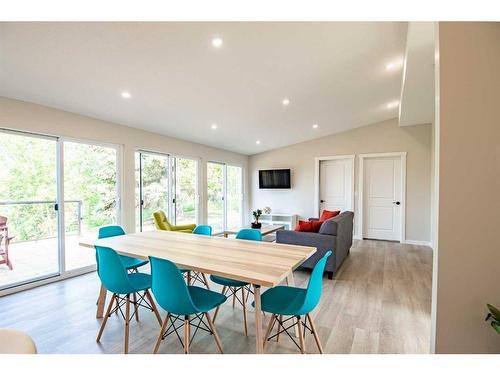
{"x": 32, "y": 259}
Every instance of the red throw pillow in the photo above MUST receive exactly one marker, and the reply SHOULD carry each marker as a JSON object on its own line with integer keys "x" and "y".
{"x": 308, "y": 226}
{"x": 303, "y": 226}
{"x": 328, "y": 215}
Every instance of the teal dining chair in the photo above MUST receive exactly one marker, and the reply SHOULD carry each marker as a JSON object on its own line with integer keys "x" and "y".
{"x": 233, "y": 286}
{"x": 122, "y": 284}
{"x": 185, "y": 303}
{"x": 293, "y": 303}
{"x": 193, "y": 276}
{"x": 130, "y": 263}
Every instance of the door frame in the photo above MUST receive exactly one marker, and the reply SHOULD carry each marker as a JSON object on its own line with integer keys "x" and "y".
{"x": 361, "y": 197}
{"x": 317, "y": 172}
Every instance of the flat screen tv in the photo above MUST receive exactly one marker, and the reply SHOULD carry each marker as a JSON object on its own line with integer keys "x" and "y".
{"x": 274, "y": 179}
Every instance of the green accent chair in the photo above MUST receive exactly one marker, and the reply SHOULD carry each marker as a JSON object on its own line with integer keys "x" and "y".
{"x": 162, "y": 223}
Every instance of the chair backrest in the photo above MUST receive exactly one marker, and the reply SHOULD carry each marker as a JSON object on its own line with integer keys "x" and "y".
{"x": 169, "y": 288}
{"x": 205, "y": 230}
{"x": 110, "y": 231}
{"x": 111, "y": 271}
{"x": 315, "y": 285}
{"x": 249, "y": 234}
{"x": 161, "y": 221}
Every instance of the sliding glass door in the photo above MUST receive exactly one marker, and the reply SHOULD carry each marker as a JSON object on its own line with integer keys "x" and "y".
{"x": 215, "y": 197}
{"x": 224, "y": 196}
{"x": 52, "y": 192}
{"x": 91, "y": 197}
{"x": 186, "y": 197}
{"x": 168, "y": 183}
{"x": 154, "y": 188}
{"x": 29, "y": 226}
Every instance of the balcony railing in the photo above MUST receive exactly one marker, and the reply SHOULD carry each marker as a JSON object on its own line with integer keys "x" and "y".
{"x": 30, "y": 223}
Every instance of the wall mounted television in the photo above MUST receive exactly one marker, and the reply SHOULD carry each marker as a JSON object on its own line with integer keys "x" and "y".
{"x": 274, "y": 179}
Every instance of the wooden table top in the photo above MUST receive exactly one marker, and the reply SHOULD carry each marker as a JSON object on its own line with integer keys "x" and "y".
{"x": 265, "y": 229}
{"x": 260, "y": 263}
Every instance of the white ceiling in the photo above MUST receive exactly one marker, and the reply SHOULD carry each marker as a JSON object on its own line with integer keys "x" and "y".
{"x": 417, "y": 94}
{"x": 334, "y": 74}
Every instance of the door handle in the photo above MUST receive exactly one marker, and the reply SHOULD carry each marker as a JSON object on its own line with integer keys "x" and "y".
{"x": 322, "y": 201}
{"x": 397, "y": 203}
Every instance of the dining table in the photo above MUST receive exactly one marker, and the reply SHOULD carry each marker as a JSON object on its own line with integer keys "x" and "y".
{"x": 259, "y": 263}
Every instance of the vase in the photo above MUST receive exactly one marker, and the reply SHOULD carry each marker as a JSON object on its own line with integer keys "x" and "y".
{"x": 256, "y": 225}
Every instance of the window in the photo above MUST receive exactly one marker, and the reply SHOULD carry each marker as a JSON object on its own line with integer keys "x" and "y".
{"x": 224, "y": 196}
{"x": 168, "y": 183}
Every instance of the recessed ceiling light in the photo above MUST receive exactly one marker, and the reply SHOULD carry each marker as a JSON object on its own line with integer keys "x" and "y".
{"x": 257, "y": 142}
{"x": 315, "y": 126}
{"x": 126, "y": 95}
{"x": 217, "y": 42}
{"x": 214, "y": 126}
{"x": 392, "y": 104}
{"x": 394, "y": 64}
{"x": 285, "y": 101}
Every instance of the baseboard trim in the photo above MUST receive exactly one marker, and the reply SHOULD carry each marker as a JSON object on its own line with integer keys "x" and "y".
{"x": 419, "y": 243}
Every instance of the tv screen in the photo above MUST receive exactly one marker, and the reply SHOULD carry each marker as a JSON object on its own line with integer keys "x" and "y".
{"x": 274, "y": 179}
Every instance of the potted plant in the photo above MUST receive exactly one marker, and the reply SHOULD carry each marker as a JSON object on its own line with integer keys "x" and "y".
{"x": 494, "y": 316}
{"x": 256, "y": 214}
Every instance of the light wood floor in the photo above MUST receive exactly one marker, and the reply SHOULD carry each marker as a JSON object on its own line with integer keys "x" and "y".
{"x": 379, "y": 303}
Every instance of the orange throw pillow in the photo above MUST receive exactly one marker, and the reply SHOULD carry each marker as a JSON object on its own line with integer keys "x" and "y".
{"x": 308, "y": 226}
{"x": 328, "y": 215}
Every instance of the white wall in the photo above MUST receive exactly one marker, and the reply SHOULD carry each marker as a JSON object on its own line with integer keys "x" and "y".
{"x": 18, "y": 115}
{"x": 468, "y": 251}
{"x": 386, "y": 136}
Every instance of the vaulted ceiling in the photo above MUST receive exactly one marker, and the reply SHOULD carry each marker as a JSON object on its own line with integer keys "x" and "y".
{"x": 337, "y": 75}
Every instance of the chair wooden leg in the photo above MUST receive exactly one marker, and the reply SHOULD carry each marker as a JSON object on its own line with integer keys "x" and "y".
{"x": 187, "y": 334}
{"x": 315, "y": 334}
{"x": 301, "y": 336}
{"x": 136, "y": 308}
{"x": 244, "y": 310}
{"x": 216, "y": 336}
{"x": 101, "y": 301}
{"x": 162, "y": 331}
{"x": 269, "y": 328}
{"x": 127, "y": 321}
{"x": 234, "y": 296}
{"x": 205, "y": 281}
{"x": 218, "y": 307}
{"x": 189, "y": 278}
{"x": 104, "y": 321}
{"x": 153, "y": 306}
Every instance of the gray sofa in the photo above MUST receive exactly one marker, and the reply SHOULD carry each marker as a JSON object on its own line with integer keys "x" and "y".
{"x": 335, "y": 234}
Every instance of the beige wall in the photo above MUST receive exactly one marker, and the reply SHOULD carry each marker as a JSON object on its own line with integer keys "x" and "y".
{"x": 30, "y": 117}
{"x": 386, "y": 136}
{"x": 469, "y": 187}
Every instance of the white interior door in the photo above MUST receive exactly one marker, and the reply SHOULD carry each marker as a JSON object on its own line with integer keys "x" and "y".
{"x": 335, "y": 181}
{"x": 383, "y": 192}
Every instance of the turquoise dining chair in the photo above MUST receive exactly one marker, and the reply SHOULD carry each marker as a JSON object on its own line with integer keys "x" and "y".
{"x": 130, "y": 263}
{"x": 294, "y": 303}
{"x": 193, "y": 276}
{"x": 122, "y": 284}
{"x": 181, "y": 302}
{"x": 233, "y": 286}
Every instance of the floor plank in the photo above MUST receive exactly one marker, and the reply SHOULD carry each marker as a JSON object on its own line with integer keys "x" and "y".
{"x": 378, "y": 303}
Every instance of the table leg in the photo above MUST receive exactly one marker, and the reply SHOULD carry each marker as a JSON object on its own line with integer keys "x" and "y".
{"x": 290, "y": 281}
{"x": 258, "y": 320}
{"x": 101, "y": 301}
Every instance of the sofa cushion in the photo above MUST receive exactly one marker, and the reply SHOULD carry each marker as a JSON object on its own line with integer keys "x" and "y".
{"x": 325, "y": 215}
